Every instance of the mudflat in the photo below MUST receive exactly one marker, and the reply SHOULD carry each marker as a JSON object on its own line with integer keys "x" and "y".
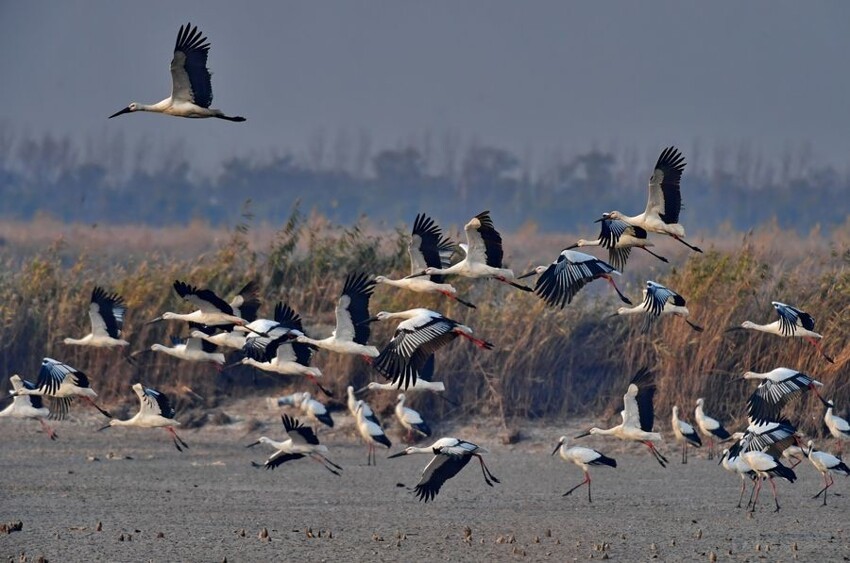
{"x": 128, "y": 495}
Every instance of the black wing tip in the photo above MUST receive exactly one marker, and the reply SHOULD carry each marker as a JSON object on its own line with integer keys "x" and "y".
{"x": 671, "y": 159}
{"x": 358, "y": 283}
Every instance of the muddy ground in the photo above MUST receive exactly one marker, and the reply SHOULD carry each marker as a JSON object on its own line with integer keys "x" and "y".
{"x": 152, "y": 502}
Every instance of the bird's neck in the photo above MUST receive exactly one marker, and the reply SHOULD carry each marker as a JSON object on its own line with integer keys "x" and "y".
{"x": 77, "y": 341}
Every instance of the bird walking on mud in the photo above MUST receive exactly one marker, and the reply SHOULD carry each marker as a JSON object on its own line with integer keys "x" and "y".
{"x": 584, "y": 458}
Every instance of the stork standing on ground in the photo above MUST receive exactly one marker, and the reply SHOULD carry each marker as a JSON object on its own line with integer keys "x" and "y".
{"x": 767, "y": 466}
{"x": 484, "y": 254}
{"x": 760, "y": 448}
{"x": 584, "y": 458}
{"x": 792, "y": 323}
{"x": 778, "y": 386}
{"x": 302, "y": 442}
{"x": 352, "y": 331}
{"x": 562, "y": 279}
{"x": 684, "y": 433}
{"x": 450, "y": 456}
{"x": 657, "y": 301}
{"x": 665, "y": 199}
{"x": 370, "y": 431}
{"x": 638, "y": 416}
{"x": 618, "y": 237}
{"x": 739, "y": 467}
{"x": 826, "y": 464}
{"x": 709, "y": 427}
{"x": 838, "y": 427}
{"x": 60, "y": 383}
{"x": 155, "y": 411}
{"x": 427, "y": 249}
{"x": 191, "y": 81}
{"x": 106, "y": 312}
{"x": 313, "y": 409}
{"x": 27, "y": 406}
{"x": 416, "y": 338}
{"x": 410, "y": 420}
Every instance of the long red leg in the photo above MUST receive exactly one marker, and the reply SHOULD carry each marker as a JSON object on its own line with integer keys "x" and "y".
{"x": 775, "y": 499}
{"x": 477, "y": 341}
{"x": 817, "y": 345}
{"x": 47, "y": 430}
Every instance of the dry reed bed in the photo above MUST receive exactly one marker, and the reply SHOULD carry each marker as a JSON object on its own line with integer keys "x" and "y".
{"x": 547, "y": 363}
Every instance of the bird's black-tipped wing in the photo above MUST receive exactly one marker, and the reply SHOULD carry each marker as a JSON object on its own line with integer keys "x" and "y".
{"x": 36, "y": 401}
{"x": 564, "y": 277}
{"x": 439, "y": 470}
{"x": 767, "y": 401}
{"x": 157, "y": 402}
{"x": 287, "y": 317}
{"x": 405, "y": 356}
{"x": 106, "y": 312}
{"x": 279, "y": 458}
{"x": 352, "y": 309}
{"x": 428, "y": 247}
{"x": 645, "y": 382}
{"x": 773, "y": 437}
{"x": 611, "y": 230}
{"x": 190, "y": 79}
{"x": 53, "y": 373}
{"x": 247, "y": 302}
{"x": 204, "y": 299}
{"x": 665, "y": 198}
{"x": 298, "y": 431}
{"x": 789, "y": 317}
{"x": 484, "y": 241}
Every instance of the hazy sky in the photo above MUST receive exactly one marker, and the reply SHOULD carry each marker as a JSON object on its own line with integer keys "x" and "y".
{"x": 529, "y": 76}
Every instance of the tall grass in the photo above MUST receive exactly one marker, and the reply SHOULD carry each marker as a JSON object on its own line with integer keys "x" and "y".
{"x": 546, "y": 364}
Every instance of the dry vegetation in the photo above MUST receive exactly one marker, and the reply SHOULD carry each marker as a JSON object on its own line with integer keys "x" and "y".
{"x": 547, "y": 363}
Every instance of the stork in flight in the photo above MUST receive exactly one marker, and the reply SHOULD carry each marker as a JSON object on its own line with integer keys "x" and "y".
{"x": 27, "y": 406}
{"x": 792, "y": 323}
{"x": 427, "y": 248}
{"x": 760, "y": 448}
{"x": 60, "y": 383}
{"x": 484, "y": 253}
{"x": 302, "y": 442}
{"x": 665, "y": 199}
{"x": 212, "y": 310}
{"x": 155, "y": 411}
{"x": 638, "y": 416}
{"x": 106, "y": 312}
{"x": 191, "y": 81}
{"x": 657, "y": 301}
{"x": 562, "y": 279}
{"x": 618, "y": 237}
{"x": 777, "y": 387}
{"x": 450, "y": 456}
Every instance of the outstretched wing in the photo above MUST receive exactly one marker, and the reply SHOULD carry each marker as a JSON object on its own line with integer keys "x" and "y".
{"x": 299, "y": 433}
{"x": 428, "y": 247}
{"x": 665, "y": 199}
{"x": 190, "y": 79}
{"x": 790, "y": 317}
{"x": 106, "y": 312}
{"x": 352, "y": 309}
{"x": 439, "y": 470}
{"x": 484, "y": 241}
{"x": 204, "y": 299}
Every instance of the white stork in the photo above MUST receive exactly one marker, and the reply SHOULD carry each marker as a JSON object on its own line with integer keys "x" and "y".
{"x": 792, "y": 323}
{"x": 191, "y": 81}
{"x": 778, "y": 386}
{"x": 212, "y": 310}
{"x": 638, "y": 416}
{"x": 484, "y": 253}
{"x": 665, "y": 199}
{"x": 155, "y": 411}
{"x": 657, "y": 301}
{"x": 618, "y": 237}
{"x": 60, "y": 383}
{"x": 191, "y": 349}
{"x": 245, "y": 306}
{"x": 684, "y": 433}
{"x": 302, "y": 442}
{"x": 427, "y": 249}
{"x": 584, "y": 458}
{"x": 562, "y": 279}
{"x": 351, "y": 334}
{"x": 760, "y": 448}
{"x": 410, "y": 419}
{"x": 106, "y": 312}
{"x": 420, "y": 385}
{"x": 766, "y": 465}
{"x": 450, "y": 456}
{"x": 313, "y": 409}
{"x": 27, "y": 406}
{"x": 838, "y": 427}
{"x": 352, "y": 404}
{"x": 826, "y": 464}
{"x": 709, "y": 427}
{"x": 739, "y": 467}
{"x": 416, "y": 338}
{"x": 370, "y": 431}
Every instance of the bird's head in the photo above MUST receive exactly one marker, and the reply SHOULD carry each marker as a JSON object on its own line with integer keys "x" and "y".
{"x": 407, "y": 451}
{"x": 748, "y": 324}
{"x": 400, "y": 398}
{"x": 260, "y": 440}
{"x": 380, "y": 279}
{"x": 537, "y": 270}
{"x": 588, "y": 432}
{"x": 700, "y": 402}
{"x": 129, "y": 109}
{"x": 561, "y": 441}
{"x": 750, "y": 375}
{"x": 608, "y": 216}
{"x": 381, "y": 316}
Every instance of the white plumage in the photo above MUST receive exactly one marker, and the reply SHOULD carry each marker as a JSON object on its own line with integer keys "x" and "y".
{"x": 584, "y": 458}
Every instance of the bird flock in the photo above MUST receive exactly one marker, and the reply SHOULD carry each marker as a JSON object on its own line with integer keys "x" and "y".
{"x": 282, "y": 345}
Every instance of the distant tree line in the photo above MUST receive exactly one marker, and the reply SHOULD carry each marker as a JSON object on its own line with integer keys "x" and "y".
{"x": 100, "y": 184}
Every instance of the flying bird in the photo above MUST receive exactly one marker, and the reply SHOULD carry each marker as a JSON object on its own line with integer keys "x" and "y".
{"x": 60, "y": 383}
{"x": 618, "y": 237}
{"x": 191, "y": 81}
{"x": 27, "y": 406}
{"x": 212, "y": 310}
{"x": 106, "y": 312}
{"x": 777, "y": 387}
{"x": 155, "y": 411}
{"x": 792, "y": 323}
{"x": 302, "y": 442}
{"x": 657, "y": 301}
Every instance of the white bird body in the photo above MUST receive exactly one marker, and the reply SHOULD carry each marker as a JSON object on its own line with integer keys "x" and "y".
{"x": 709, "y": 427}
{"x": 619, "y": 238}
{"x": 283, "y": 367}
{"x": 211, "y": 310}
{"x": 27, "y": 406}
{"x": 826, "y": 464}
{"x": 765, "y": 466}
{"x": 584, "y": 458}
{"x": 735, "y": 464}
{"x": 302, "y": 442}
{"x": 191, "y": 85}
{"x": 638, "y": 416}
{"x": 230, "y": 339}
{"x": 352, "y": 311}
{"x": 61, "y": 383}
{"x": 314, "y": 410}
{"x": 410, "y": 419}
{"x": 450, "y": 456}
{"x": 792, "y": 323}
{"x": 838, "y": 427}
{"x": 419, "y": 385}
{"x": 657, "y": 302}
{"x": 777, "y": 387}
{"x": 419, "y": 285}
{"x": 684, "y": 433}
{"x": 191, "y": 350}
{"x": 665, "y": 200}
{"x": 370, "y": 431}
{"x": 106, "y": 313}
{"x": 155, "y": 411}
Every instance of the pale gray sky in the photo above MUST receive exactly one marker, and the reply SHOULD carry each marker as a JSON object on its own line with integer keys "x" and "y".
{"x": 522, "y": 75}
